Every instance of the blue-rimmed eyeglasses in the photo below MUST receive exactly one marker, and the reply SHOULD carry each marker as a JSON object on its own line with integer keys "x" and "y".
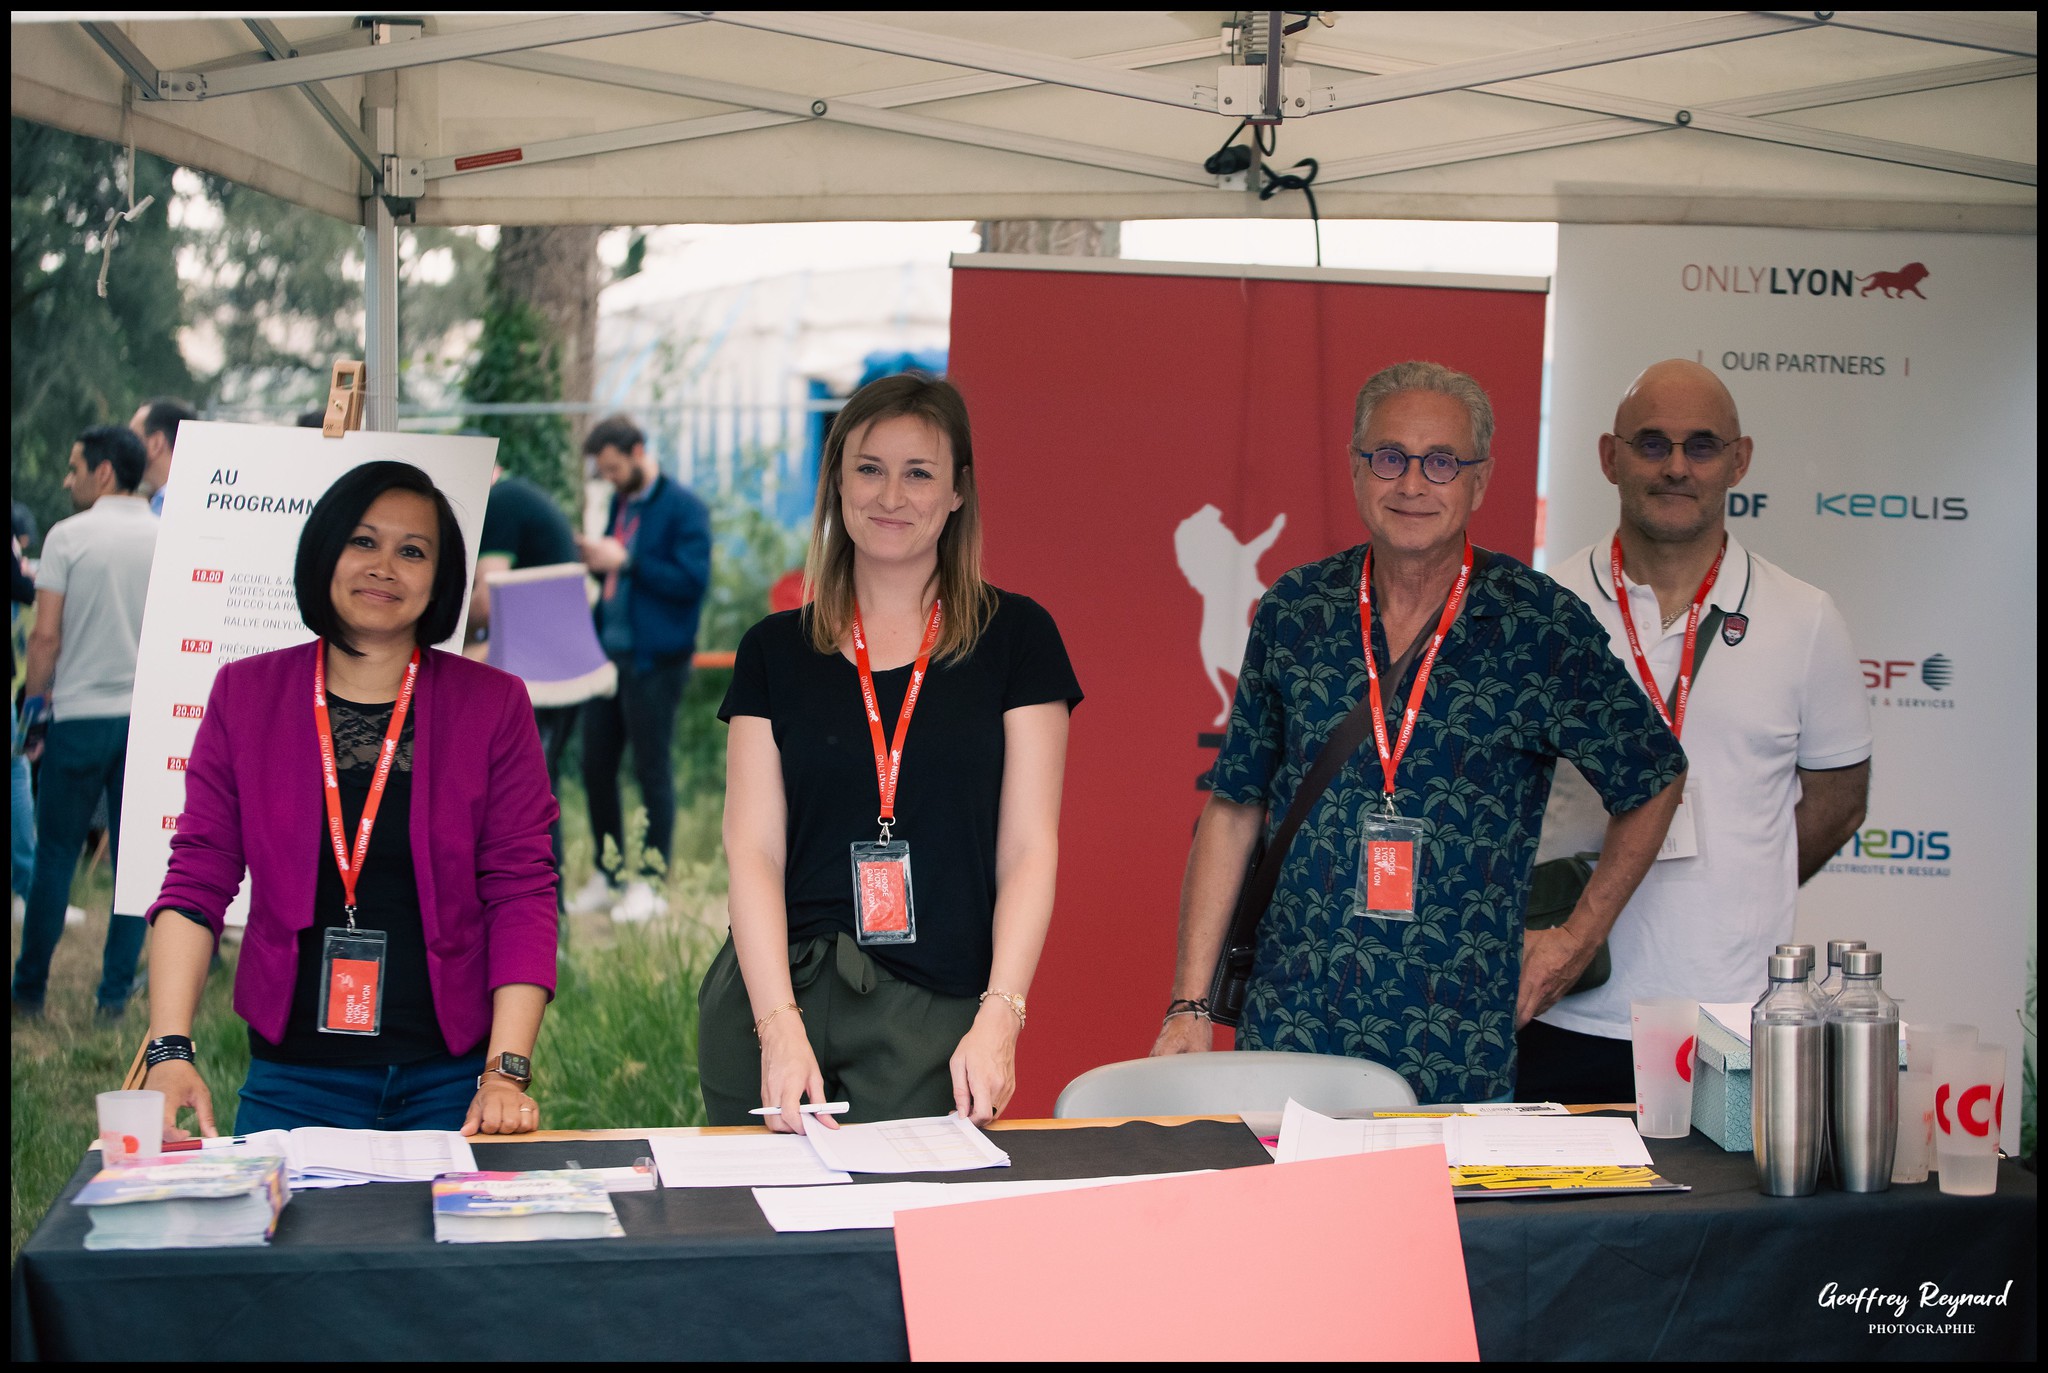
{"x": 1656, "y": 447}
{"x": 1388, "y": 464}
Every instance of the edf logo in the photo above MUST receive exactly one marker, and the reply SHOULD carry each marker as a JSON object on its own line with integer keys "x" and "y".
{"x": 1742, "y": 503}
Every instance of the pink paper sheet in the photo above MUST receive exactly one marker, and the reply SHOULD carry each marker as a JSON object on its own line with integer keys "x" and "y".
{"x": 1342, "y": 1258}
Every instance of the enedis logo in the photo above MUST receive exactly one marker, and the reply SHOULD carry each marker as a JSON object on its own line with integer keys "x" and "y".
{"x": 1877, "y": 851}
{"x": 1745, "y": 280}
{"x": 1899, "y": 682}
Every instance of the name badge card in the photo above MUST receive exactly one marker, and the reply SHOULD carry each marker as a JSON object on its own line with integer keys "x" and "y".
{"x": 352, "y": 982}
{"x": 1389, "y": 867}
{"x": 1682, "y": 840}
{"x": 884, "y": 912}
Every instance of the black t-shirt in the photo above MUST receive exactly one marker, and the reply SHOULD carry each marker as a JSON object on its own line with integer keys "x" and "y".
{"x": 522, "y": 523}
{"x": 387, "y": 899}
{"x": 948, "y": 795}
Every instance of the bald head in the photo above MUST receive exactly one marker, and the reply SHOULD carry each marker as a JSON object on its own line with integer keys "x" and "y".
{"x": 1677, "y": 385}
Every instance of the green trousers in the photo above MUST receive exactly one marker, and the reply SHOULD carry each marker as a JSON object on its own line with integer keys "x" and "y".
{"x": 882, "y": 1043}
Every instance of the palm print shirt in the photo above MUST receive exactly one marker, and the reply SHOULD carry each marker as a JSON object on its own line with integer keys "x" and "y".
{"x": 1524, "y": 677}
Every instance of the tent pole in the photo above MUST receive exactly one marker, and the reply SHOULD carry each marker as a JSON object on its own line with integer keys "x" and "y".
{"x": 380, "y": 315}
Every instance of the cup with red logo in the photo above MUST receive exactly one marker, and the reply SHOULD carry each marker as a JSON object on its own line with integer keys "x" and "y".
{"x": 1664, "y": 1032}
{"x": 1969, "y": 1109}
{"x": 1925, "y": 1044}
{"x": 131, "y": 1126}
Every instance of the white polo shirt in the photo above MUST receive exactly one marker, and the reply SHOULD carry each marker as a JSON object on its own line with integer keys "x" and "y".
{"x": 1786, "y": 694}
{"x": 98, "y": 561}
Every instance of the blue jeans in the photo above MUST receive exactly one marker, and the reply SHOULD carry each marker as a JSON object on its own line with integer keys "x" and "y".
{"x": 431, "y": 1094}
{"x": 82, "y": 761}
{"x": 21, "y": 817}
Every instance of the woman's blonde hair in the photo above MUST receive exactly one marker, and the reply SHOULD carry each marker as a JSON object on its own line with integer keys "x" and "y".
{"x": 828, "y": 569}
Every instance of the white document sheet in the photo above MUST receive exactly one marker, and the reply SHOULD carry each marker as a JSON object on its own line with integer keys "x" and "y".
{"x": 1731, "y": 1016}
{"x": 874, "y": 1206}
{"x": 1494, "y": 1140}
{"x": 740, "y": 1161}
{"x": 929, "y": 1144}
{"x": 1306, "y": 1134}
{"x": 319, "y": 1156}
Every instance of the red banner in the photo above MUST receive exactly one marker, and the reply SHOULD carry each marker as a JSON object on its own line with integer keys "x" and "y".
{"x": 1153, "y": 452}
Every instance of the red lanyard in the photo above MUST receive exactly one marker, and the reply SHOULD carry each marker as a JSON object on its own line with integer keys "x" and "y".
{"x": 889, "y": 754}
{"x": 351, "y": 870}
{"x": 1675, "y": 716}
{"x": 626, "y": 529}
{"x": 1390, "y": 759}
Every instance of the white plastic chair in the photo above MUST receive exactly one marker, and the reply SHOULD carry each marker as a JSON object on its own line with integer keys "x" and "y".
{"x": 1230, "y": 1084}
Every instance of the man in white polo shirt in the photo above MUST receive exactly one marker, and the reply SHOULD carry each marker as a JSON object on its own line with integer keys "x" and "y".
{"x": 1771, "y": 709}
{"x": 90, "y": 586}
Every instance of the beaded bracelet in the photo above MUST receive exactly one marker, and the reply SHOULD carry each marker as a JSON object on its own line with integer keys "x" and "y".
{"x": 168, "y": 1049}
{"x": 1010, "y": 999}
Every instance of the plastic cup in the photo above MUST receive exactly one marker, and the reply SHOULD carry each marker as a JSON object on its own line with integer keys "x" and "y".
{"x": 1916, "y": 1125}
{"x": 1967, "y": 1118}
{"x": 1664, "y": 1032}
{"x": 1924, "y": 1041}
{"x": 131, "y": 1125}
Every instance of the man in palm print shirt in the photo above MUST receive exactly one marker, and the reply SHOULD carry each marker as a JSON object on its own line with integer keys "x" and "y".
{"x": 1521, "y": 677}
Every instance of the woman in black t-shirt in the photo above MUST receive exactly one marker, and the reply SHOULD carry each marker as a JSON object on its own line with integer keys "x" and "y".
{"x": 852, "y": 973}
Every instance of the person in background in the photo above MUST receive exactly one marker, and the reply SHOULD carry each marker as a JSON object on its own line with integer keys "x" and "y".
{"x": 655, "y": 562}
{"x": 523, "y": 527}
{"x": 818, "y": 993}
{"x": 21, "y": 816}
{"x": 1484, "y": 673}
{"x": 156, "y": 424}
{"x": 91, "y": 583}
{"x": 1775, "y": 720}
{"x": 390, "y": 805}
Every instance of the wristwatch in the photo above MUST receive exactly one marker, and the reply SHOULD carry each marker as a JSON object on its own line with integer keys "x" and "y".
{"x": 514, "y": 1068}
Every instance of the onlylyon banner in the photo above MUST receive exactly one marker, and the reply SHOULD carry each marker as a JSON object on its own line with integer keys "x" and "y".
{"x": 221, "y": 589}
{"x": 1155, "y": 445}
{"x": 1889, "y": 382}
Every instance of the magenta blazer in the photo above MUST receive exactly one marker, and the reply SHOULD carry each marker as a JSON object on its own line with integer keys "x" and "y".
{"x": 481, "y": 808}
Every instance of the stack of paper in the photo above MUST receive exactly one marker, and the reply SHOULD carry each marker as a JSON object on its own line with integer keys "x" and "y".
{"x": 1491, "y": 1155}
{"x": 484, "y": 1208}
{"x": 195, "y": 1202}
{"x": 932, "y": 1144}
{"x": 319, "y": 1156}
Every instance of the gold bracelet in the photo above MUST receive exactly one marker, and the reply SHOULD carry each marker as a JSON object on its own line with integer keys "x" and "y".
{"x": 1010, "y": 999}
{"x": 785, "y": 1006}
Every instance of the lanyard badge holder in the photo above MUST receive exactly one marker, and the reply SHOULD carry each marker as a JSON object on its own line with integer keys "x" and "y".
{"x": 352, "y": 959}
{"x": 1681, "y": 840}
{"x": 884, "y": 906}
{"x": 1390, "y": 851}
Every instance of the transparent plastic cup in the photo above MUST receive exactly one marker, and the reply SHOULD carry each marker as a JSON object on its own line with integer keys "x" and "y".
{"x": 131, "y": 1125}
{"x": 1916, "y": 1125}
{"x": 1664, "y": 1034}
{"x": 1968, "y": 1117}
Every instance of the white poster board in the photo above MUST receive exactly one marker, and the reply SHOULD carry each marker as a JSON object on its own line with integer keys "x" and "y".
{"x": 221, "y": 589}
{"x": 1889, "y": 381}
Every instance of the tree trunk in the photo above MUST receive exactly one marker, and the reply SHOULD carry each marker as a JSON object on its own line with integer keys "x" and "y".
{"x": 555, "y": 270}
{"x": 1058, "y": 237}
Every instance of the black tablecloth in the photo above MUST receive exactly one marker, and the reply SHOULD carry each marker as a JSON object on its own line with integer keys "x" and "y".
{"x": 354, "y": 1273}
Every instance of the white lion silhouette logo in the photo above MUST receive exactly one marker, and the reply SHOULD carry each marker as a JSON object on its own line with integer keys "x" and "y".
{"x": 1225, "y": 573}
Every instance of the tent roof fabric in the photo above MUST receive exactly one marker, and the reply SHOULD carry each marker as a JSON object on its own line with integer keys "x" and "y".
{"x": 1866, "y": 120}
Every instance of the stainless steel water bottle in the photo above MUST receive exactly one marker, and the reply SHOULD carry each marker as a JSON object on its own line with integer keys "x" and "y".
{"x": 1863, "y": 1075}
{"x": 1789, "y": 1080}
{"x": 1807, "y": 952}
{"x": 1831, "y": 984}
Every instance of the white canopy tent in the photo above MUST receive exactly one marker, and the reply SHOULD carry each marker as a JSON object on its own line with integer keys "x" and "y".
{"x": 1846, "y": 119}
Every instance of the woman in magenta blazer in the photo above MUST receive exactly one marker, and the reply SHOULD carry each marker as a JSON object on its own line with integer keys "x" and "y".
{"x": 395, "y": 978}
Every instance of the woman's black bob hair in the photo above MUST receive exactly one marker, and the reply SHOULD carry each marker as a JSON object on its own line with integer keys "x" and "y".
{"x": 333, "y": 522}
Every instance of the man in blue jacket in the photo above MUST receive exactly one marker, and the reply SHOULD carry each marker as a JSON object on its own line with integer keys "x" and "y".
{"x": 655, "y": 561}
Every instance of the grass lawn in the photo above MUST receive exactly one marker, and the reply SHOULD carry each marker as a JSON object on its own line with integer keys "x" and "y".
{"x": 618, "y": 1047}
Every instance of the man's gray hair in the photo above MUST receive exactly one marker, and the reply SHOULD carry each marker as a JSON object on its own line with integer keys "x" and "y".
{"x": 1428, "y": 376}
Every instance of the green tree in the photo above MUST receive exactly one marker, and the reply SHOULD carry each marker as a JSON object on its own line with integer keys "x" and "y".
{"x": 79, "y": 360}
{"x": 517, "y": 361}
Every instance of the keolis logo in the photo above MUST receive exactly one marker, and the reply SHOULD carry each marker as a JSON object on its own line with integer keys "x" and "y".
{"x": 1866, "y": 505}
